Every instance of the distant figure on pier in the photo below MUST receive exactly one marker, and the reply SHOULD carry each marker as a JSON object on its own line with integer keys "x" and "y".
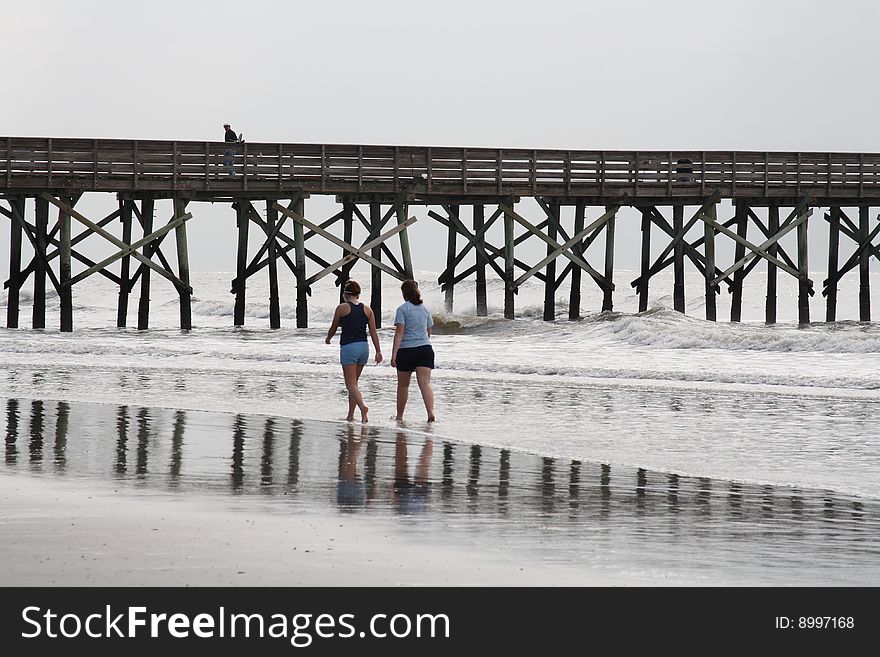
{"x": 355, "y": 318}
{"x": 412, "y": 350}
{"x": 684, "y": 171}
{"x": 229, "y": 154}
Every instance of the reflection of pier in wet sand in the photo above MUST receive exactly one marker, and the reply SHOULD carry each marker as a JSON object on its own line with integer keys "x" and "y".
{"x": 559, "y": 511}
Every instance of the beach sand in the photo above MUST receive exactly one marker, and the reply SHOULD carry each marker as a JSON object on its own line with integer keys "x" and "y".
{"x": 76, "y": 533}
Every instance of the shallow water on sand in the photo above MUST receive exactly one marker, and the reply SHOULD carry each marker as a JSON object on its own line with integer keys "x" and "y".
{"x": 657, "y": 527}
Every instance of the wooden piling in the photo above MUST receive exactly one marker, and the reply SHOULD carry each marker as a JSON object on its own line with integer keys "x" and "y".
{"x": 646, "y": 259}
{"x": 242, "y": 223}
{"x": 804, "y": 271}
{"x": 508, "y": 266}
{"x": 404, "y": 241}
{"x": 833, "y": 254}
{"x": 772, "y": 270}
{"x": 15, "y": 234}
{"x": 709, "y": 247}
{"x": 864, "y": 271}
{"x": 739, "y": 252}
{"x": 608, "y": 294}
{"x": 479, "y": 222}
{"x": 66, "y": 292}
{"x": 678, "y": 259}
{"x": 550, "y": 269}
{"x": 574, "y": 298}
{"x": 272, "y": 257}
{"x": 347, "y": 229}
{"x": 302, "y": 304}
{"x": 147, "y": 209}
{"x": 376, "y": 273}
{"x": 42, "y": 224}
{"x": 125, "y": 215}
{"x": 451, "y": 238}
{"x": 183, "y": 266}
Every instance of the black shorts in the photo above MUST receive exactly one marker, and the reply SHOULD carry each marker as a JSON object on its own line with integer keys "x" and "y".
{"x": 412, "y": 357}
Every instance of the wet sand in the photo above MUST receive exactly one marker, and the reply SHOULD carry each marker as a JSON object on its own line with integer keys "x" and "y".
{"x": 73, "y": 533}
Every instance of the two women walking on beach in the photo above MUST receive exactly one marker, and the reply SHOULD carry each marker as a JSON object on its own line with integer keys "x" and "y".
{"x": 411, "y": 350}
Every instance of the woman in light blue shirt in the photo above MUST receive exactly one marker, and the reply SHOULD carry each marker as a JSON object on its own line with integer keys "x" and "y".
{"x": 412, "y": 351}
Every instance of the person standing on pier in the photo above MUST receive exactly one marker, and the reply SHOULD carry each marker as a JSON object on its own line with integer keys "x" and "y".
{"x": 412, "y": 350}
{"x": 228, "y": 155}
{"x": 354, "y": 318}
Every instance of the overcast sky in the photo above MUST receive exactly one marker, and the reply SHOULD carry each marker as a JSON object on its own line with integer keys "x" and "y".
{"x": 763, "y": 75}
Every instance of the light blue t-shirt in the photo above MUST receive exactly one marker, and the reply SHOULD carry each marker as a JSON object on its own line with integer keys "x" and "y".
{"x": 416, "y": 321}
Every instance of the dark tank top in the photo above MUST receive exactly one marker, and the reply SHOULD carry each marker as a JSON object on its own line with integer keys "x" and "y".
{"x": 354, "y": 325}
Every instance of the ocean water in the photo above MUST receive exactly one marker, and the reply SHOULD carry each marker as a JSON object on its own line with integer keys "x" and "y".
{"x": 731, "y": 414}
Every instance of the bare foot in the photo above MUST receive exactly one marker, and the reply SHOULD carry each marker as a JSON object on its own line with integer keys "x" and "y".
{"x": 349, "y": 418}
{"x": 364, "y": 411}
{"x": 431, "y": 418}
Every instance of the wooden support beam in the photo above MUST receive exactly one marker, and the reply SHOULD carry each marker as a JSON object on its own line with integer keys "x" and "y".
{"x": 480, "y": 247}
{"x": 509, "y": 287}
{"x": 12, "y": 297}
{"x": 853, "y": 261}
{"x": 479, "y": 223}
{"x": 711, "y": 289}
{"x": 302, "y": 290}
{"x": 242, "y": 222}
{"x": 65, "y": 294}
{"x": 550, "y": 271}
{"x": 404, "y": 241}
{"x": 147, "y": 210}
{"x": 449, "y": 288}
{"x": 272, "y": 256}
{"x": 772, "y": 229}
{"x": 678, "y": 259}
{"x": 833, "y": 255}
{"x": 864, "y": 271}
{"x": 607, "y": 298}
{"x": 574, "y": 297}
{"x": 804, "y": 280}
{"x": 738, "y": 276}
{"x": 125, "y": 210}
{"x": 185, "y": 290}
{"x": 42, "y": 268}
{"x": 646, "y": 259}
{"x": 347, "y": 236}
{"x": 376, "y": 273}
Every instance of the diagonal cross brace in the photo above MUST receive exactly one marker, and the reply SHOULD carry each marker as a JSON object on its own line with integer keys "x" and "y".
{"x": 339, "y": 242}
{"x": 38, "y": 253}
{"x": 852, "y": 261}
{"x": 602, "y": 282}
{"x": 551, "y": 242}
{"x": 125, "y": 248}
{"x": 848, "y": 228}
{"x": 797, "y": 217}
{"x": 364, "y": 247}
{"x": 471, "y": 240}
{"x": 460, "y": 228}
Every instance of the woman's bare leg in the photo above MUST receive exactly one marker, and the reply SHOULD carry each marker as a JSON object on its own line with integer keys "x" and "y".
{"x": 357, "y": 378}
{"x": 354, "y": 393}
{"x": 403, "y": 379}
{"x": 423, "y": 376}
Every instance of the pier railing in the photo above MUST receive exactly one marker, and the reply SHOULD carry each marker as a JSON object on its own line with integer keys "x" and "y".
{"x": 28, "y": 164}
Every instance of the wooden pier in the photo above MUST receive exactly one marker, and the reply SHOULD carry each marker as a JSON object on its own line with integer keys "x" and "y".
{"x": 579, "y": 192}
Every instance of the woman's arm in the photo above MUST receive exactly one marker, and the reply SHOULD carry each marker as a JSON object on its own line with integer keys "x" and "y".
{"x": 398, "y": 338}
{"x": 334, "y": 324}
{"x": 371, "y": 322}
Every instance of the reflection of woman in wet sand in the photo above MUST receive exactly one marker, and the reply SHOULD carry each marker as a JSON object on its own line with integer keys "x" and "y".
{"x": 355, "y": 318}
{"x": 351, "y": 491}
{"x": 410, "y": 496}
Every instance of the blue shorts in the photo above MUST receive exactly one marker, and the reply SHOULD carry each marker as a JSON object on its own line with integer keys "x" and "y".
{"x": 354, "y": 353}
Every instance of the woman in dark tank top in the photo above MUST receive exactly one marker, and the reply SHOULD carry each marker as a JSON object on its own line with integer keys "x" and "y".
{"x": 354, "y": 318}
